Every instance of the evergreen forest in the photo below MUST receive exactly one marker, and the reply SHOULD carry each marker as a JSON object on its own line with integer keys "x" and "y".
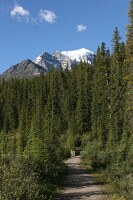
{"x": 43, "y": 118}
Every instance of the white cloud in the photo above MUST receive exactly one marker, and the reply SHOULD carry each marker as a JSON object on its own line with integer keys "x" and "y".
{"x": 48, "y": 16}
{"x": 81, "y": 28}
{"x": 22, "y": 14}
{"x": 19, "y": 11}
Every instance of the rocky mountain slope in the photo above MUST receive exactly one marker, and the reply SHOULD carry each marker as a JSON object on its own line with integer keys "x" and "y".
{"x": 26, "y": 68}
{"x": 43, "y": 62}
{"x": 47, "y": 60}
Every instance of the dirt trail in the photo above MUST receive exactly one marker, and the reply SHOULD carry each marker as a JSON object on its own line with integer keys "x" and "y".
{"x": 78, "y": 184}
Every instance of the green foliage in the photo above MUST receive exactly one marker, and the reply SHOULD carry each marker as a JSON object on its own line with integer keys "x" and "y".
{"x": 100, "y": 96}
{"x": 92, "y": 155}
{"x": 121, "y": 177}
{"x": 41, "y": 120}
{"x": 117, "y": 88}
{"x": 26, "y": 179}
{"x": 129, "y": 76}
{"x": 109, "y": 145}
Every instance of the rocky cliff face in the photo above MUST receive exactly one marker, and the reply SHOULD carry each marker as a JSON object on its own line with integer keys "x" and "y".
{"x": 47, "y": 60}
{"x": 64, "y": 60}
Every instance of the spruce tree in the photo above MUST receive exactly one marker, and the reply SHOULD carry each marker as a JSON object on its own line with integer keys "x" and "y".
{"x": 117, "y": 88}
{"x": 100, "y": 98}
{"x": 83, "y": 108}
{"x": 129, "y": 77}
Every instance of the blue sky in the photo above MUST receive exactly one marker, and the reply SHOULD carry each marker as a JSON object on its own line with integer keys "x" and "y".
{"x": 29, "y": 27}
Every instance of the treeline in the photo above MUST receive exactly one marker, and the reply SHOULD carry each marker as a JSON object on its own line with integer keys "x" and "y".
{"x": 40, "y": 121}
{"x": 109, "y": 146}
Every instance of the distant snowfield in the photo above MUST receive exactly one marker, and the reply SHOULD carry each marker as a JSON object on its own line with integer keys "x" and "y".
{"x": 78, "y": 55}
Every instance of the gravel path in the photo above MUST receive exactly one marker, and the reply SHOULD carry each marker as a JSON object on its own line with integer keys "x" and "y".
{"x": 78, "y": 184}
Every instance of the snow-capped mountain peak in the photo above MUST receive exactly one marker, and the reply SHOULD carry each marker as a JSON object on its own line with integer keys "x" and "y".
{"x": 80, "y": 54}
{"x": 64, "y": 58}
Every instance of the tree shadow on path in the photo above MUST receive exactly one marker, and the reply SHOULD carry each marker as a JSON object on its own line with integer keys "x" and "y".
{"x": 78, "y": 184}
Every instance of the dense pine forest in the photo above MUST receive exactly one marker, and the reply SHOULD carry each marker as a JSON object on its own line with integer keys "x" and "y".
{"x": 90, "y": 106}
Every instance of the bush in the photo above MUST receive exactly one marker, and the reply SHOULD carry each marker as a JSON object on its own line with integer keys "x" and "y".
{"x": 95, "y": 155}
{"x": 121, "y": 179}
{"x": 29, "y": 180}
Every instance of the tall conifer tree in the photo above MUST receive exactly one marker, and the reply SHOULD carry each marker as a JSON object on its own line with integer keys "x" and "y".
{"x": 129, "y": 77}
{"x": 117, "y": 88}
{"x": 100, "y": 98}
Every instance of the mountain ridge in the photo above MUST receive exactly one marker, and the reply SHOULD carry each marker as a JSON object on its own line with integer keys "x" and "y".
{"x": 24, "y": 69}
{"x": 42, "y": 63}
